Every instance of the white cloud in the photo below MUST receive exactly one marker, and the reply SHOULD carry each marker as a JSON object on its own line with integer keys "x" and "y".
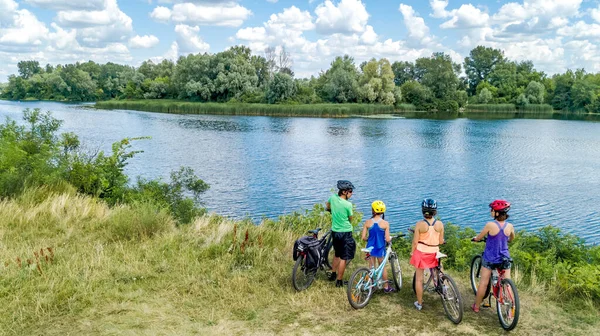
{"x": 439, "y": 8}
{"x": 188, "y": 40}
{"x": 292, "y": 18}
{"x": 7, "y": 11}
{"x": 349, "y": 16}
{"x": 581, "y": 30}
{"x": 418, "y": 32}
{"x": 67, "y": 4}
{"x": 595, "y": 14}
{"x": 24, "y": 31}
{"x": 161, "y": 14}
{"x": 217, "y": 14}
{"x": 97, "y": 28}
{"x": 467, "y": 16}
{"x": 143, "y": 42}
{"x": 545, "y": 10}
{"x": 369, "y": 37}
{"x": 252, "y": 34}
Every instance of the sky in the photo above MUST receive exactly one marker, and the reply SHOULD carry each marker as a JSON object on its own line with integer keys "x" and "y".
{"x": 555, "y": 34}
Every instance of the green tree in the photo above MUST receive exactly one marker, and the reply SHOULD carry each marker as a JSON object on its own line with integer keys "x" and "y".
{"x": 485, "y": 96}
{"x": 29, "y": 68}
{"x": 438, "y": 73}
{"x": 480, "y": 63}
{"x": 377, "y": 82}
{"x": 281, "y": 88}
{"x": 403, "y": 72}
{"x": 415, "y": 93}
{"x": 339, "y": 84}
{"x": 535, "y": 92}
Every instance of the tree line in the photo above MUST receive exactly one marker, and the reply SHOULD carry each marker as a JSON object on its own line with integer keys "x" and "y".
{"x": 237, "y": 75}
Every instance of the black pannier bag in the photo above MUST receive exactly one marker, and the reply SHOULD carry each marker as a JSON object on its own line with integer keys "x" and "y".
{"x": 310, "y": 245}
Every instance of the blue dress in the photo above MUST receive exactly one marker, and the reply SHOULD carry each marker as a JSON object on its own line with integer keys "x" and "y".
{"x": 376, "y": 240}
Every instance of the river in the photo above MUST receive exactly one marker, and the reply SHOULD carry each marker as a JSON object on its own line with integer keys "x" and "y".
{"x": 266, "y": 166}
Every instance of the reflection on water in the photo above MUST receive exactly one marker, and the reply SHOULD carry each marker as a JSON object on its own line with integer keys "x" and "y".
{"x": 269, "y": 166}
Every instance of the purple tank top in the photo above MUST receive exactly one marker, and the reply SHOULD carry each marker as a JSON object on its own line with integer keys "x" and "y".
{"x": 496, "y": 246}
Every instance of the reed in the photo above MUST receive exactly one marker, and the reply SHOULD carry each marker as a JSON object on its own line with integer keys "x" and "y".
{"x": 284, "y": 110}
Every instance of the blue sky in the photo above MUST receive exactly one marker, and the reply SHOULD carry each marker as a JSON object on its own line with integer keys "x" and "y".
{"x": 555, "y": 34}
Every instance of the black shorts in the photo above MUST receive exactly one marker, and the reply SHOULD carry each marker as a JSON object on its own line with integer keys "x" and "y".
{"x": 344, "y": 245}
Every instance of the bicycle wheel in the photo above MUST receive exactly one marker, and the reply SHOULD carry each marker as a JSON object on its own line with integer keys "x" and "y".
{"x": 360, "y": 288}
{"x": 396, "y": 271}
{"x": 427, "y": 281}
{"x": 476, "y": 275}
{"x": 507, "y": 305}
{"x": 302, "y": 278}
{"x": 451, "y": 299}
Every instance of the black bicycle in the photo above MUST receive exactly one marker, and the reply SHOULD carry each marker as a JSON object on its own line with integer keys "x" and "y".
{"x": 304, "y": 271}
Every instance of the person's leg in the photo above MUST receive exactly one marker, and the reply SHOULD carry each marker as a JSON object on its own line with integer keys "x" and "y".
{"x": 347, "y": 254}
{"x": 507, "y": 273}
{"x": 419, "y": 285}
{"x": 336, "y": 259}
{"x": 484, "y": 279}
{"x": 386, "y": 284}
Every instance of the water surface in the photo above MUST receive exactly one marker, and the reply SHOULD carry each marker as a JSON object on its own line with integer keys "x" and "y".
{"x": 267, "y": 166}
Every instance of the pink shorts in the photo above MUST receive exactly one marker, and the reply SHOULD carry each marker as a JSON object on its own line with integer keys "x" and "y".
{"x": 423, "y": 260}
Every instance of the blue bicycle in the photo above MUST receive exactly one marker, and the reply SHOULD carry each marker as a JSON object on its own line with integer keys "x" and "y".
{"x": 364, "y": 280}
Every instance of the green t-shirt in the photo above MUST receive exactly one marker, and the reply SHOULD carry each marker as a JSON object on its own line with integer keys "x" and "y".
{"x": 341, "y": 209}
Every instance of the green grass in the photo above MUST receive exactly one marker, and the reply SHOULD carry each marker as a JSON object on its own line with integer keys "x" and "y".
{"x": 129, "y": 270}
{"x": 301, "y": 110}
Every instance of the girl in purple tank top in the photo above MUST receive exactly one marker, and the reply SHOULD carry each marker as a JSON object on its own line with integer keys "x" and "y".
{"x": 499, "y": 232}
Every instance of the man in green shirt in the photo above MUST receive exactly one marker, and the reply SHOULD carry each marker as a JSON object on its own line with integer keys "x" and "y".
{"x": 343, "y": 241}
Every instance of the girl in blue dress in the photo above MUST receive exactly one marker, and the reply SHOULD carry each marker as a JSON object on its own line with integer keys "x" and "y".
{"x": 376, "y": 232}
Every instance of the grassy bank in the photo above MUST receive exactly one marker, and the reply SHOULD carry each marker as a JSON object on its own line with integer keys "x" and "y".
{"x": 303, "y": 110}
{"x": 71, "y": 265}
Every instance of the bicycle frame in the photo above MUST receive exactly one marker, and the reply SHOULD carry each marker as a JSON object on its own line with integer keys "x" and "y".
{"x": 377, "y": 273}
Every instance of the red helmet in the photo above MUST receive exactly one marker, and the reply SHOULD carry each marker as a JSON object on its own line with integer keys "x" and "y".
{"x": 500, "y": 205}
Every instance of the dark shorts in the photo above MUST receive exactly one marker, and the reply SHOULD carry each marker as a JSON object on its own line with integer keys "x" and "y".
{"x": 492, "y": 266}
{"x": 344, "y": 245}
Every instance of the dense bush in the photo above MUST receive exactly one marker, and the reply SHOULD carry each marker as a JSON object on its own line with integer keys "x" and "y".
{"x": 36, "y": 155}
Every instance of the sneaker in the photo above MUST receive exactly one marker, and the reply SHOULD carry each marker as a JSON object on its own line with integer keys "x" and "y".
{"x": 332, "y": 276}
{"x": 418, "y": 306}
{"x": 389, "y": 290}
{"x": 475, "y": 308}
{"x": 340, "y": 283}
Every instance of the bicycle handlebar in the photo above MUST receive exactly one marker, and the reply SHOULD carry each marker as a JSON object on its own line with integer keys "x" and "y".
{"x": 482, "y": 240}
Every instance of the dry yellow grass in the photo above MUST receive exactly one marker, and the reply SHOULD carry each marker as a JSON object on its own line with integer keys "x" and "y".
{"x": 131, "y": 271}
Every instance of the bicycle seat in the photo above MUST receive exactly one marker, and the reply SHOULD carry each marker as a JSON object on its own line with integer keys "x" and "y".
{"x": 315, "y": 231}
{"x": 440, "y": 255}
{"x": 367, "y": 250}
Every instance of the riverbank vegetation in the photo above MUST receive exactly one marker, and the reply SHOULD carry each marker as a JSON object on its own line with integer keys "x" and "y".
{"x": 435, "y": 83}
{"x": 289, "y": 110}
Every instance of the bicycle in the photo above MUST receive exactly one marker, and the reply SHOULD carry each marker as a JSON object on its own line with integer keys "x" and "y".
{"x": 435, "y": 280}
{"x": 504, "y": 290}
{"x": 364, "y": 280}
{"x": 302, "y": 275}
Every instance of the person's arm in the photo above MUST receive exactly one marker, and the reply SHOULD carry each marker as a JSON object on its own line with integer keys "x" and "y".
{"x": 511, "y": 236}
{"x": 388, "y": 238}
{"x": 415, "y": 241}
{"x": 442, "y": 234}
{"x": 365, "y": 230}
{"x": 350, "y": 214}
{"x": 485, "y": 231}
{"x": 327, "y": 206}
